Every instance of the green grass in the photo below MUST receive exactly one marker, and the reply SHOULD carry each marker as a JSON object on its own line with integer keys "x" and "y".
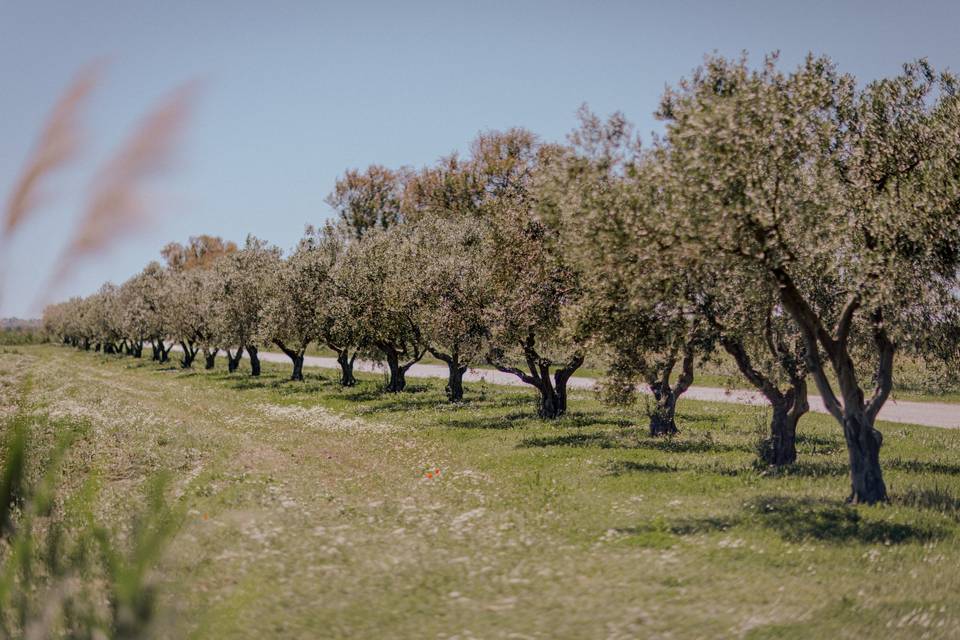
{"x": 914, "y": 382}
{"x": 310, "y": 513}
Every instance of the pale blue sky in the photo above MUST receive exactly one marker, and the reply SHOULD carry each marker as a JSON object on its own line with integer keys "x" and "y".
{"x": 296, "y": 92}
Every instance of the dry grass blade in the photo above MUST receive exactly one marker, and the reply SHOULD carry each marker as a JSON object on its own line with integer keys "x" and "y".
{"x": 57, "y": 145}
{"x": 117, "y": 204}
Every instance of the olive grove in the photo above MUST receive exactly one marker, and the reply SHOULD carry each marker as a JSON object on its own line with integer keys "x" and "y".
{"x": 801, "y": 224}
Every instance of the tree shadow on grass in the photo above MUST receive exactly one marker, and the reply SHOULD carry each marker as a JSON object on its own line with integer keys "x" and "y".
{"x": 922, "y": 466}
{"x": 599, "y": 440}
{"x": 251, "y": 382}
{"x": 573, "y": 420}
{"x": 610, "y": 440}
{"x": 931, "y": 499}
{"x": 814, "y": 444}
{"x": 660, "y": 530}
{"x": 469, "y": 421}
{"x": 368, "y": 392}
{"x": 808, "y": 469}
{"x": 682, "y": 417}
{"x": 624, "y": 467}
{"x": 800, "y": 519}
{"x": 392, "y": 403}
{"x": 716, "y": 467}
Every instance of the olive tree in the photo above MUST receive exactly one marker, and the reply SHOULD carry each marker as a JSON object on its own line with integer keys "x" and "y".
{"x": 453, "y": 292}
{"x": 531, "y": 318}
{"x": 752, "y": 326}
{"x": 242, "y": 282}
{"x": 520, "y": 270}
{"x": 199, "y": 252}
{"x": 368, "y": 200}
{"x": 141, "y": 306}
{"x": 302, "y": 306}
{"x": 190, "y": 313}
{"x": 336, "y": 327}
{"x": 376, "y": 300}
{"x": 151, "y": 293}
{"x": 805, "y": 174}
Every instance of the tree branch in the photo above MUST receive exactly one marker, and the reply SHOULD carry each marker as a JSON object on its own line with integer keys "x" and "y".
{"x": 886, "y": 349}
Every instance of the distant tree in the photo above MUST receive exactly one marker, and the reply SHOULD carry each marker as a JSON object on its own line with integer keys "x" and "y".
{"x": 376, "y": 300}
{"x": 104, "y": 319}
{"x": 242, "y": 282}
{"x": 368, "y": 200}
{"x": 497, "y": 173}
{"x": 199, "y": 252}
{"x": 190, "y": 313}
{"x": 301, "y": 307}
{"x": 844, "y": 199}
{"x": 141, "y": 306}
{"x": 152, "y": 290}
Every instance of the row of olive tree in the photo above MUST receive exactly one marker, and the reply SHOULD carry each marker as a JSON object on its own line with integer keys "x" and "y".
{"x": 804, "y": 225}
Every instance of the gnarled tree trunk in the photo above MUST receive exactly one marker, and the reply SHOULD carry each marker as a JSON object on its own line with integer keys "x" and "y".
{"x": 254, "y": 360}
{"x": 855, "y": 415}
{"x": 398, "y": 370}
{"x": 455, "y": 371}
{"x": 789, "y": 406}
{"x": 189, "y": 353}
{"x": 781, "y": 448}
{"x": 552, "y": 401}
{"x": 863, "y": 449}
{"x": 210, "y": 357}
{"x": 663, "y": 413}
{"x": 233, "y": 359}
{"x": 296, "y": 357}
{"x": 345, "y": 360}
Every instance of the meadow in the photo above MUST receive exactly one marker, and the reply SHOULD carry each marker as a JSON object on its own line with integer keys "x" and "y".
{"x": 307, "y": 510}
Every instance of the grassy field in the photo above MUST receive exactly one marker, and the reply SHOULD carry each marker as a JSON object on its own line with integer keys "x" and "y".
{"x": 309, "y": 511}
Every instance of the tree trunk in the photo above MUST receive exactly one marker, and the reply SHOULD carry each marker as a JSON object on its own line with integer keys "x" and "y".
{"x": 233, "y": 359}
{"x": 346, "y": 367}
{"x": 663, "y": 416}
{"x": 863, "y": 448}
{"x": 297, "y": 368}
{"x": 456, "y": 369}
{"x": 296, "y": 357}
{"x": 781, "y": 448}
{"x": 210, "y": 358}
{"x": 137, "y": 349}
{"x": 189, "y": 353}
{"x": 455, "y": 380}
{"x": 551, "y": 404}
{"x": 398, "y": 378}
{"x": 254, "y": 360}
